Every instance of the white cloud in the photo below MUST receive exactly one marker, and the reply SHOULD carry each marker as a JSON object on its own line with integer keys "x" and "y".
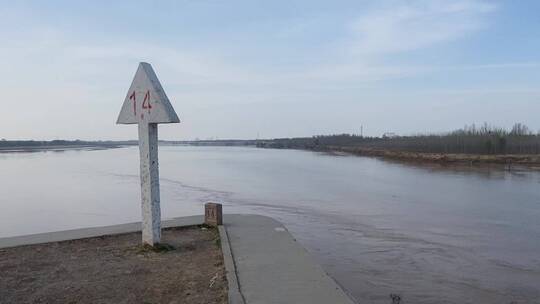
{"x": 390, "y": 27}
{"x": 393, "y": 27}
{"x": 397, "y": 27}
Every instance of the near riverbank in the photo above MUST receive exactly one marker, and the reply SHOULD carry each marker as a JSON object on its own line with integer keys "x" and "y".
{"x": 196, "y": 263}
{"x": 117, "y": 269}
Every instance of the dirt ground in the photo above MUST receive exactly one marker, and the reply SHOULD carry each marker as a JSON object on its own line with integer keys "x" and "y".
{"x": 116, "y": 269}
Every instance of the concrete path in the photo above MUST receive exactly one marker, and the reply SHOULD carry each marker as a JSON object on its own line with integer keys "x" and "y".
{"x": 82, "y": 233}
{"x": 273, "y": 268}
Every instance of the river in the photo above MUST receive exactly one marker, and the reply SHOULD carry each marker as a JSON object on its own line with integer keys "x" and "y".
{"x": 426, "y": 233}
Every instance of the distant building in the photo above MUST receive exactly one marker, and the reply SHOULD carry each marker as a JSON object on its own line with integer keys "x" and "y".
{"x": 390, "y": 135}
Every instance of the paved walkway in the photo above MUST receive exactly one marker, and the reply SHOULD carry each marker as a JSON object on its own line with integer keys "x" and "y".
{"x": 82, "y": 233}
{"x": 273, "y": 268}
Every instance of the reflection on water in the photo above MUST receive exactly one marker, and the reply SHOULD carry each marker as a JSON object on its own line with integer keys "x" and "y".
{"x": 431, "y": 234}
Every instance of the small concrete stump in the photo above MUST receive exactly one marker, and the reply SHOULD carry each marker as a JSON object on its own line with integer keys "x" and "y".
{"x": 213, "y": 214}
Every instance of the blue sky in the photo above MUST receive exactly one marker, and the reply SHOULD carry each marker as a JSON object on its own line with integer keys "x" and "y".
{"x": 235, "y": 69}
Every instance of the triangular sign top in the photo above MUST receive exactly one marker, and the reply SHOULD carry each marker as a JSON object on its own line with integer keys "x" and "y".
{"x": 146, "y": 102}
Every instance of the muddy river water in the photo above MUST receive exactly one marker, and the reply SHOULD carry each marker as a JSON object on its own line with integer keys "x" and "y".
{"x": 428, "y": 234}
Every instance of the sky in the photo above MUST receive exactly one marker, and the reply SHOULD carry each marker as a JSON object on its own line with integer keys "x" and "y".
{"x": 268, "y": 69}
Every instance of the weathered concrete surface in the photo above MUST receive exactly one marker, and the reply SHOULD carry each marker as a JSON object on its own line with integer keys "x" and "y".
{"x": 93, "y": 232}
{"x": 234, "y": 295}
{"x": 147, "y": 104}
{"x": 213, "y": 214}
{"x": 146, "y": 101}
{"x": 273, "y": 268}
{"x": 149, "y": 174}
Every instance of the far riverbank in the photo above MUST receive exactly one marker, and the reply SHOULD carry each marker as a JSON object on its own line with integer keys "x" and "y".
{"x": 528, "y": 160}
{"x": 509, "y": 161}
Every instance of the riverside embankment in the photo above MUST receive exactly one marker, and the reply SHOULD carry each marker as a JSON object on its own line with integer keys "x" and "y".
{"x": 529, "y": 160}
{"x": 79, "y": 265}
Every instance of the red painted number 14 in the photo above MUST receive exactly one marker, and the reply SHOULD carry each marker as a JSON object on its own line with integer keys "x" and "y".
{"x": 146, "y": 102}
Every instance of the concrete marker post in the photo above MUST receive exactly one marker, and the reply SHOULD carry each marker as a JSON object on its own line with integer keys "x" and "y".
{"x": 147, "y": 105}
{"x": 150, "y": 201}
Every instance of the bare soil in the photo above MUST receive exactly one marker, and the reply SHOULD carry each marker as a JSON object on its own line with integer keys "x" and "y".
{"x": 117, "y": 269}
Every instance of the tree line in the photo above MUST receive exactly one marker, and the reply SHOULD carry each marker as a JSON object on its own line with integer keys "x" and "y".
{"x": 484, "y": 139}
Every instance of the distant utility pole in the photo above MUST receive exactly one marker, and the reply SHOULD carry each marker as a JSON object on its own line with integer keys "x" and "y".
{"x": 361, "y": 130}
